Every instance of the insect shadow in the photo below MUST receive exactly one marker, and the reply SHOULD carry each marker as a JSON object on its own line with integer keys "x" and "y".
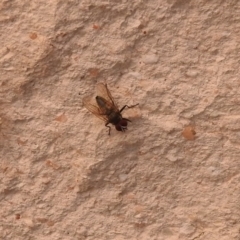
{"x": 104, "y": 107}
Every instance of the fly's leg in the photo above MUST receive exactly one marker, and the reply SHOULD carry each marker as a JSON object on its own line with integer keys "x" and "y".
{"x": 132, "y": 106}
{"x": 109, "y": 128}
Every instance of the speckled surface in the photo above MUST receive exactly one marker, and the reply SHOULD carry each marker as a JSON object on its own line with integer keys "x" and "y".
{"x": 174, "y": 174}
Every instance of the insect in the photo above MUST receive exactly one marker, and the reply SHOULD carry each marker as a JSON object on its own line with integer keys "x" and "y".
{"x": 104, "y": 107}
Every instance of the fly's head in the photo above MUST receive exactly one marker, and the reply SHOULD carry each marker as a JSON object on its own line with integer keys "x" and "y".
{"x": 122, "y": 125}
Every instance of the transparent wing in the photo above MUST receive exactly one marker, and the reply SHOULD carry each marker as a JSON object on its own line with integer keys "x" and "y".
{"x": 91, "y": 105}
{"x": 103, "y": 91}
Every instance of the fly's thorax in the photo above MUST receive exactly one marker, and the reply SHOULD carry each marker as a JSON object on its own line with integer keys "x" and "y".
{"x": 114, "y": 117}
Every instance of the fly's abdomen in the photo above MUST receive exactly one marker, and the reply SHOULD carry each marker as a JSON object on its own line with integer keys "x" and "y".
{"x": 103, "y": 105}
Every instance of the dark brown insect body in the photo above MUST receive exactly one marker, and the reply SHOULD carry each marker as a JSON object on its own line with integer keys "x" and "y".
{"x": 104, "y": 107}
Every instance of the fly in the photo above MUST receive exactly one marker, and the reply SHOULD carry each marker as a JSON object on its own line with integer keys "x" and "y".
{"x": 104, "y": 107}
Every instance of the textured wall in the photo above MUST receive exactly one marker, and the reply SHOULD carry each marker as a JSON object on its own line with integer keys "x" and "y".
{"x": 63, "y": 177}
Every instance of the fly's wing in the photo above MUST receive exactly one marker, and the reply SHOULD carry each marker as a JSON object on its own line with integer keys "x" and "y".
{"x": 92, "y": 107}
{"x": 103, "y": 91}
